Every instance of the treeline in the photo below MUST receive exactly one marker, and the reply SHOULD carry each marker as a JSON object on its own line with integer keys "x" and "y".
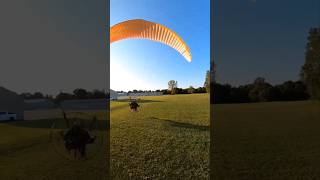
{"x": 78, "y": 93}
{"x": 189, "y": 90}
{"x": 259, "y": 91}
{"x": 36, "y": 95}
{"x": 140, "y": 91}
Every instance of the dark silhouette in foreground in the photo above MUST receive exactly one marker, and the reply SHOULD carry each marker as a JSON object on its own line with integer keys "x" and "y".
{"x": 76, "y": 139}
{"x": 134, "y": 106}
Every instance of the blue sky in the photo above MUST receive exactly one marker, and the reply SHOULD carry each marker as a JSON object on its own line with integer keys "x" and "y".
{"x": 143, "y": 64}
{"x": 265, "y": 38}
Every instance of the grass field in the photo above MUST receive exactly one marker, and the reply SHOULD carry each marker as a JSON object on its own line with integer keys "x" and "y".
{"x": 26, "y": 152}
{"x": 278, "y": 140}
{"x": 167, "y": 139}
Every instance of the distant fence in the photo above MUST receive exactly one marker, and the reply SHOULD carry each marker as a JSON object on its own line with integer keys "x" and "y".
{"x": 86, "y": 104}
{"x": 33, "y": 104}
{"x": 75, "y": 104}
{"x": 146, "y": 94}
{"x": 45, "y": 110}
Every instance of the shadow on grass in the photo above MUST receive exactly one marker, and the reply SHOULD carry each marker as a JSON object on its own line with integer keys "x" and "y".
{"x": 183, "y": 125}
{"x": 101, "y": 125}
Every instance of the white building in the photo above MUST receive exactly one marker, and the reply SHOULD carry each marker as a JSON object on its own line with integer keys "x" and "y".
{"x": 113, "y": 95}
{"x": 152, "y": 93}
{"x": 11, "y": 102}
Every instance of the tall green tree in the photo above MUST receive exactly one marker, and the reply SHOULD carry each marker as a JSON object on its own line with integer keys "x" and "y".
{"x": 207, "y": 82}
{"x": 310, "y": 72}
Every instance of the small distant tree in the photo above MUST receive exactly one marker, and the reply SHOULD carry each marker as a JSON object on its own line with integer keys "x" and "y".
{"x": 259, "y": 81}
{"x": 38, "y": 95}
{"x": 260, "y": 90}
{"x": 164, "y": 91}
{"x": 98, "y": 94}
{"x": 62, "y": 96}
{"x": 48, "y": 97}
{"x": 190, "y": 90}
{"x": 80, "y": 93}
{"x": 172, "y": 86}
{"x": 26, "y": 95}
{"x": 310, "y": 72}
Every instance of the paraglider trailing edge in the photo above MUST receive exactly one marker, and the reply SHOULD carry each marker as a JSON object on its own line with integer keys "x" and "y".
{"x": 142, "y": 29}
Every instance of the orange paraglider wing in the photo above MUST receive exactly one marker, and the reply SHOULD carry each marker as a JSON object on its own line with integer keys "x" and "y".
{"x": 142, "y": 29}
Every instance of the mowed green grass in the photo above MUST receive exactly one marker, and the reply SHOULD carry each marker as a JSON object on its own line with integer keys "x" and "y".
{"x": 26, "y": 152}
{"x": 168, "y": 138}
{"x": 279, "y": 140}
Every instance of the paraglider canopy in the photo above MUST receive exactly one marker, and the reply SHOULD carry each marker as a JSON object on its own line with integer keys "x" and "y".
{"x": 142, "y": 29}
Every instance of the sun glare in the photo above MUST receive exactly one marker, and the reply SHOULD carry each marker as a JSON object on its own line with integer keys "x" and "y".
{"x": 124, "y": 79}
